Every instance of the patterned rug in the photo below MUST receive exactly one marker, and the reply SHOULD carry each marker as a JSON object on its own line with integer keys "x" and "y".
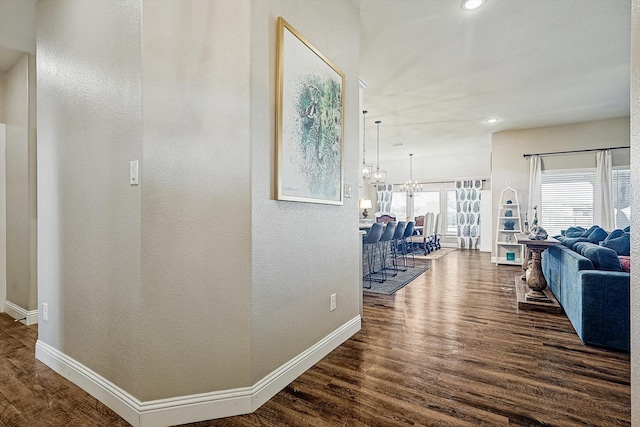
{"x": 437, "y": 254}
{"x": 394, "y": 284}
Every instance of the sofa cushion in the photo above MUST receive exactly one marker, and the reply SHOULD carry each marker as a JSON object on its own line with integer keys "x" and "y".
{"x": 579, "y": 247}
{"x": 574, "y": 232}
{"x": 602, "y": 258}
{"x": 621, "y": 244}
{"x": 597, "y": 235}
{"x": 627, "y": 229}
{"x": 570, "y": 241}
{"x": 625, "y": 262}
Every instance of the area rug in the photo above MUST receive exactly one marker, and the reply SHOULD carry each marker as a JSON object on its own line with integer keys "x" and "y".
{"x": 437, "y": 254}
{"x": 394, "y": 284}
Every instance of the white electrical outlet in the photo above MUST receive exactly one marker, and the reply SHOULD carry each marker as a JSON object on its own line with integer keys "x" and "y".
{"x": 45, "y": 311}
{"x": 333, "y": 302}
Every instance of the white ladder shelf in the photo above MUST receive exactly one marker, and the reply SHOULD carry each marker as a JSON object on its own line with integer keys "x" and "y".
{"x": 509, "y": 223}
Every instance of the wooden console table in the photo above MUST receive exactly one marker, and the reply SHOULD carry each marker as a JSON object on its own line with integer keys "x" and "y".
{"x": 538, "y": 296}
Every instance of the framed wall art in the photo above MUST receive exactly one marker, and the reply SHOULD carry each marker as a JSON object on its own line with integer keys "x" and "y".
{"x": 309, "y": 122}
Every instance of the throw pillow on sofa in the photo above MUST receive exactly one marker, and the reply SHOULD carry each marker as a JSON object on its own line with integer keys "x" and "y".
{"x": 621, "y": 245}
{"x": 597, "y": 235}
{"x": 574, "y": 232}
{"x": 589, "y": 231}
{"x": 615, "y": 233}
{"x": 625, "y": 262}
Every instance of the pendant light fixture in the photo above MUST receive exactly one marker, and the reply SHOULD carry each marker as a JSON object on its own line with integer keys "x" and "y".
{"x": 367, "y": 170}
{"x": 411, "y": 187}
{"x": 379, "y": 176}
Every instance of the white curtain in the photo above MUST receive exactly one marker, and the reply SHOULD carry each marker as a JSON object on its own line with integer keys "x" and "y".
{"x": 603, "y": 200}
{"x": 468, "y": 212}
{"x": 535, "y": 187}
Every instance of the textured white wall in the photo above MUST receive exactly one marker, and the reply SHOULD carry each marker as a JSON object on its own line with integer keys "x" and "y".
{"x": 635, "y": 207}
{"x": 509, "y": 146}
{"x": 89, "y": 128}
{"x": 302, "y": 252}
{"x": 196, "y": 280}
{"x": 17, "y": 25}
{"x": 196, "y": 228}
{"x": 3, "y": 219}
{"x": 20, "y": 283}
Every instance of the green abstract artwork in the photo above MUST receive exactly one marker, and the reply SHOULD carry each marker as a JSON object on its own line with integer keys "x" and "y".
{"x": 310, "y": 123}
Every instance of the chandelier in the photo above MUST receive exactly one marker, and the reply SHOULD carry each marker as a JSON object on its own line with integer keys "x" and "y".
{"x": 367, "y": 170}
{"x": 410, "y": 187}
{"x": 379, "y": 176}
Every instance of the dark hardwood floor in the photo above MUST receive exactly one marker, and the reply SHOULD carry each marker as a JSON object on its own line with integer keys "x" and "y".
{"x": 450, "y": 349}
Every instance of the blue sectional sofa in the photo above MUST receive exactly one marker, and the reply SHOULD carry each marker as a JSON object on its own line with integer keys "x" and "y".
{"x": 592, "y": 290}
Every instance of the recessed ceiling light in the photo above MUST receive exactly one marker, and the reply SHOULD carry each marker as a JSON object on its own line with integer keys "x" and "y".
{"x": 397, "y": 144}
{"x": 472, "y": 4}
{"x": 491, "y": 120}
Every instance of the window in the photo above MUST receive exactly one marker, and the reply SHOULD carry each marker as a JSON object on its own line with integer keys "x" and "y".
{"x": 426, "y": 201}
{"x": 399, "y": 205}
{"x": 567, "y": 199}
{"x": 621, "y": 192}
{"x": 452, "y": 217}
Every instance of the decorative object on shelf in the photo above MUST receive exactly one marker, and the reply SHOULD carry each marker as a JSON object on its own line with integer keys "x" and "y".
{"x": 309, "y": 121}
{"x": 511, "y": 256}
{"x": 537, "y": 232}
{"x": 411, "y": 187}
{"x": 508, "y": 213}
{"x": 379, "y": 176}
{"x": 509, "y": 202}
{"x": 367, "y": 169}
{"x": 468, "y": 206}
{"x": 526, "y": 223}
{"x": 364, "y": 205}
{"x": 509, "y": 224}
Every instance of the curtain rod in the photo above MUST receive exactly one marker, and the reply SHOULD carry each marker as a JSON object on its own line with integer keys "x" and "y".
{"x": 574, "y": 151}
{"x": 448, "y": 182}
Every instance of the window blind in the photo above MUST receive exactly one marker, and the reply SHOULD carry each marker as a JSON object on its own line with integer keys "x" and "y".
{"x": 567, "y": 200}
{"x": 426, "y": 201}
{"x": 622, "y": 197}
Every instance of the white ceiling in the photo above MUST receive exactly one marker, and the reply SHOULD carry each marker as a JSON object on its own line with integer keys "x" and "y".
{"x": 435, "y": 72}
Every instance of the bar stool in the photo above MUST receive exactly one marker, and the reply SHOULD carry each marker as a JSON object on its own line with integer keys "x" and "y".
{"x": 397, "y": 241}
{"x": 370, "y": 248}
{"x": 385, "y": 242}
{"x": 406, "y": 250}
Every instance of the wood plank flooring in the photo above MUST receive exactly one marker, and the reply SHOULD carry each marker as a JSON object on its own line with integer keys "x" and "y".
{"x": 450, "y": 349}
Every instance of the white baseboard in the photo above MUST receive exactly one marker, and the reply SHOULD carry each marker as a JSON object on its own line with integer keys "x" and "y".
{"x": 30, "y": 316}
{"x": 199, "y": 407}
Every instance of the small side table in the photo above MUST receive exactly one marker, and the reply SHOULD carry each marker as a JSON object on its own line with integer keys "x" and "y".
{"x": 535, "y": 279}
